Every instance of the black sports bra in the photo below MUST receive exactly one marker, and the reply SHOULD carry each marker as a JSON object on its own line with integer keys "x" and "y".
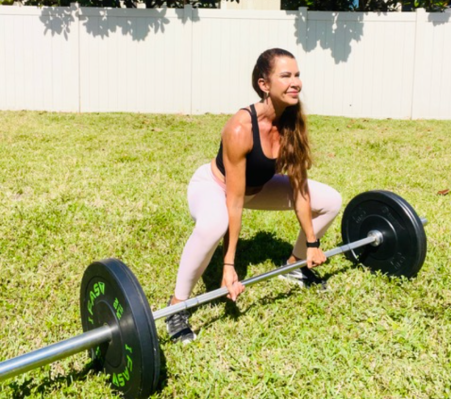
{"x": 259, "y": 168}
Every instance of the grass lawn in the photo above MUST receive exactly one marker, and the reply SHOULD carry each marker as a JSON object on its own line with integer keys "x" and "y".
{"x": 78, "y": 188}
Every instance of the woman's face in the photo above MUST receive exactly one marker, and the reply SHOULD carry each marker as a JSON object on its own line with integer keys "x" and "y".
{"x": 284, "y": 83}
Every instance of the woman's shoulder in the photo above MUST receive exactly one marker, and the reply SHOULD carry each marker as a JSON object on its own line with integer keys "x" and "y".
{"x": 238, "y": 131}
{"x": 240, "y": 122}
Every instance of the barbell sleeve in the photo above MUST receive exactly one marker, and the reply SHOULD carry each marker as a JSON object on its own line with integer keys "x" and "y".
{"x": 51, "y": 353}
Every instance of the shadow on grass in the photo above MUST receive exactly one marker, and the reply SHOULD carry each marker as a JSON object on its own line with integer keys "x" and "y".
{"x": 47, "y": 385}
{"x": 262, "y": 247}
{"x": 232, "y": 311}
{"x": 163, "y": 377}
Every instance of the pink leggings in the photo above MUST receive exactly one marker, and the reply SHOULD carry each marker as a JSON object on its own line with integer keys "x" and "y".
{"x": 207, "y": 204}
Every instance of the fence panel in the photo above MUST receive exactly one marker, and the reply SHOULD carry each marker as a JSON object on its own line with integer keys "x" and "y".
{"x": 38, "y": 66}
{"x": 131, "y": 60}
{"x": 225, "y": 48}
{"x": 393, "y": 65}
{"x": 432, "y": 97}
{"x": 359, "y": 64}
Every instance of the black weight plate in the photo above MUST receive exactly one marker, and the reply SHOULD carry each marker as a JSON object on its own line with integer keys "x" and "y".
{"x": 111, "y": 294}
{"x": 403, "y": 249}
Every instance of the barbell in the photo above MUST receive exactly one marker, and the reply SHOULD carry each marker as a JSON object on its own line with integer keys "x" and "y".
{"x": 379, "y": 229}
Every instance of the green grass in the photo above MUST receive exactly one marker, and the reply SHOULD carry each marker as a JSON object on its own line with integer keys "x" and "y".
{"x": 78, "y": 188}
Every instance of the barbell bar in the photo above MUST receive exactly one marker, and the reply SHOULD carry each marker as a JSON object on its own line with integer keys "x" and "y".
{"x": 119, "y": 326}
{"x": 105, "y": 333}
{"x": 373, "y": 238}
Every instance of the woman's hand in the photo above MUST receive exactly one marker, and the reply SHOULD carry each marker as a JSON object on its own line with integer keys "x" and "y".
{"x": 230, "y": 280}
{"x": 315, "y": 257}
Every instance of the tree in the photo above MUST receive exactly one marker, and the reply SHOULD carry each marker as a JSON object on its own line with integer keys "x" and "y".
{"x": 313, "y": 5}
{"x": 365, "y": 5}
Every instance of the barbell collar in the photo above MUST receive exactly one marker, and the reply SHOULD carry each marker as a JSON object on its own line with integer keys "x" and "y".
{"x": 51, "y": 353}
{"x": 378, "y": 237}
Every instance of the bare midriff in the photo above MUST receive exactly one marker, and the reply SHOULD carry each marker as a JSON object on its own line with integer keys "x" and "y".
{"x": 220, "y": 179}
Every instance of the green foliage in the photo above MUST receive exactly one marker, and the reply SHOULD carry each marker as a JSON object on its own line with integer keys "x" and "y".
{"x": 117, "y": 3}
{"x": 313, "y": 5}
{"x": 319, "y": 5}
{"x": 182, "y": 3}
{"x": 75, "y": 188}
{"x": 428, "y": 5}
{"x": 365, "y": 5}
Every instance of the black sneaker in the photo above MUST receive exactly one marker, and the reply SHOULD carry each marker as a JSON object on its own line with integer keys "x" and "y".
{"x": 305, "y": 277}
{"x": 178, "y": 327}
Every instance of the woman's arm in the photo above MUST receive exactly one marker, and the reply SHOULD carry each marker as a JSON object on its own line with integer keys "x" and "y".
{"x": 237, "y": 142}
{"x": 315, "y": 256}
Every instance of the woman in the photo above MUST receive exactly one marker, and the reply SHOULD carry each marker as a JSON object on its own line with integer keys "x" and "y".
{"x": 258, "y": 144}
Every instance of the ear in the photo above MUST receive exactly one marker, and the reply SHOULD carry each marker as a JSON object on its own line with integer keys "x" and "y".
{"x": 263, "y": 84}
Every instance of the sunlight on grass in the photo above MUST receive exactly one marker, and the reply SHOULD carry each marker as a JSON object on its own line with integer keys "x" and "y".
{"x": 78, "y": 188}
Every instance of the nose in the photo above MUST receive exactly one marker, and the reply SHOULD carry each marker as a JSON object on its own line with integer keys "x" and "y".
{"x": 296, "y": 83}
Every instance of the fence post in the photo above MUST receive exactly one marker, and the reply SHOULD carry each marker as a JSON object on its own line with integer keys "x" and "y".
{"x": 188, "y": 56}
{"x": 418, "y": 102}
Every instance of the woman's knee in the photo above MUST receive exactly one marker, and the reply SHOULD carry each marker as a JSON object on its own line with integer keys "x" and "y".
{"x": 334, "y": 202}
{"x": 211, "y": 230}
{"x": 327, "y": 202}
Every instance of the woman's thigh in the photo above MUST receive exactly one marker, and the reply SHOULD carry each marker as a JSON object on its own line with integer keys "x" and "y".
{"x": 207, "y": 203}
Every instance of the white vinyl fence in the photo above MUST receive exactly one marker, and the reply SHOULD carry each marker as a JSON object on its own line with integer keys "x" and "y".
{"x": 395, "y": 65}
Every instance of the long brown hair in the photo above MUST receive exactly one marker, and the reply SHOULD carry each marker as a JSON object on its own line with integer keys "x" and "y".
{"x": 295, "y": 156}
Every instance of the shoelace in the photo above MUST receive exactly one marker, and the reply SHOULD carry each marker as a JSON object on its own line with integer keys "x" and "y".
{"x": 179, "y": 320}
